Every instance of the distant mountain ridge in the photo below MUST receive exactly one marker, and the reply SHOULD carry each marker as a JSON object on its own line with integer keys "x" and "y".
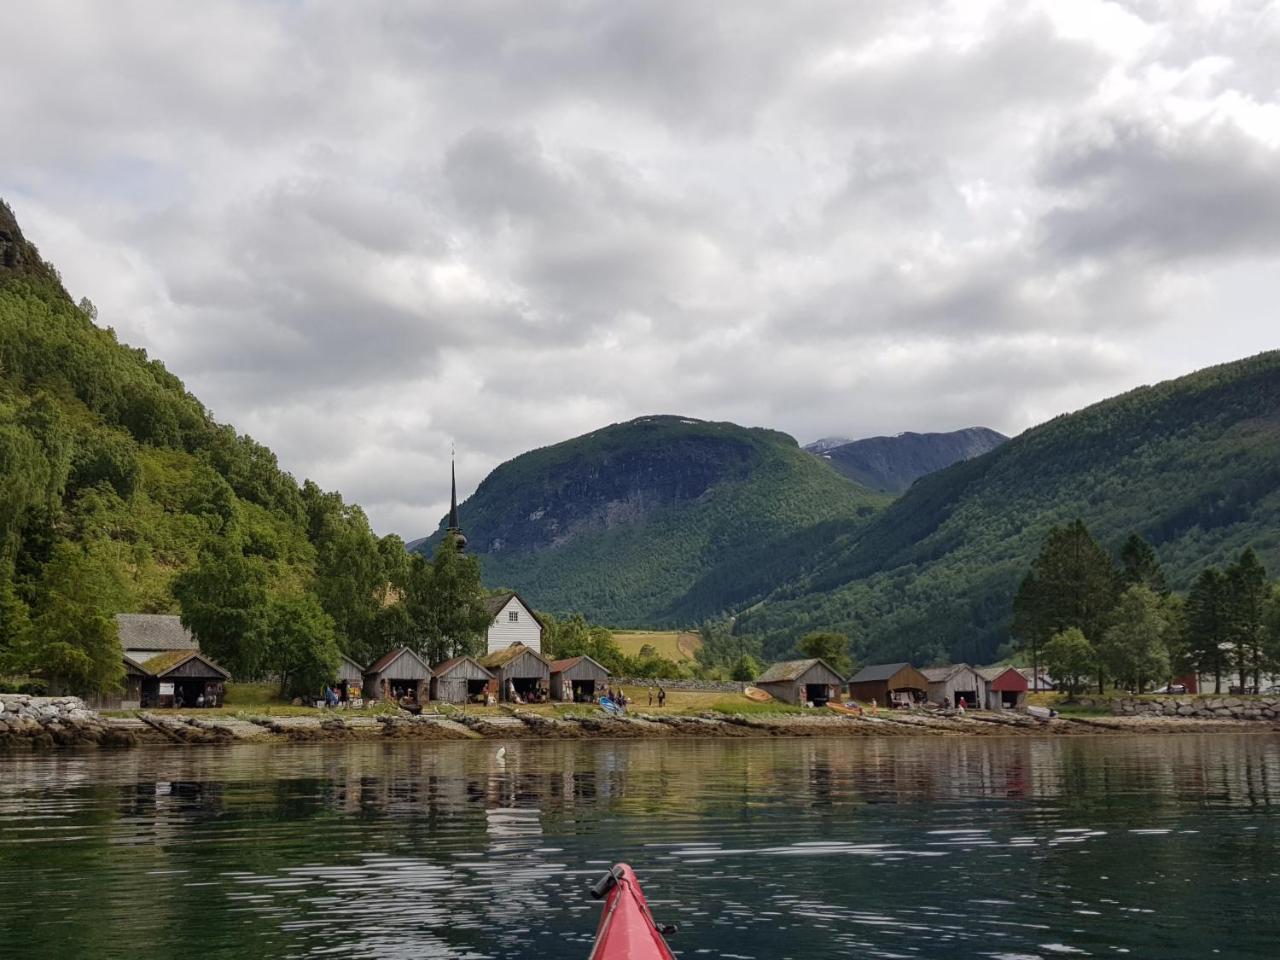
{"x": 892, "y": 464}
{"x": 660, "y": 520}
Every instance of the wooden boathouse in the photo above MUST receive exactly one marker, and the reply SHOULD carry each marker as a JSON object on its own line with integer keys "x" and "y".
{"x": 460, "y": 680}
{"x": 519, "y": 672}
{"x": 951, "y": 684}
{"x": 182, "y": 678}
{"x": 1006, "y": 688}
{"x": 802, "y": 681}
{"x": 886, "y": 683}
{"x": 397, "y": 675}
{"x": 577, "y": 679}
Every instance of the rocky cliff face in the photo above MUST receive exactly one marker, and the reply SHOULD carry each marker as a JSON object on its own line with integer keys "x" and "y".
{"x": 18, "y": 256}
{"x": 892, "y": 464}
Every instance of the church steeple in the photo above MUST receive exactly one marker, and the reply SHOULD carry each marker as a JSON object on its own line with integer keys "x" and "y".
{"x": 454, "y": 530}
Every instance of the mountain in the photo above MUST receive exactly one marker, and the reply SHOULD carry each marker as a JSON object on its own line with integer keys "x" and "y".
{"x": 661, "y": 520}
{"x": 114, "y": 479}
{"x": 892, "y": 464}
{"x": 824, "y": 444}
{"x": 1192, "y": 464}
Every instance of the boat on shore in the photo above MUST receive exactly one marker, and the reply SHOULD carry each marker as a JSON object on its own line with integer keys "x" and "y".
{"x": 627, "y": 930}
{"x": 848, "y": 709}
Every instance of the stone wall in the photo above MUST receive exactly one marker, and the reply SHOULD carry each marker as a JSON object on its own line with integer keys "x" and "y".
{"x": 42, "y": 722}
{"x": 705, "y": 686}
{"x": 1231, "y": 708}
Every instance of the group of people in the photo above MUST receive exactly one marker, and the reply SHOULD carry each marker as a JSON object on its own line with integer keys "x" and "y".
{"x": 662, "y": 696}
{"x": 539, "y": 694}
{"x": 205, "y": 698}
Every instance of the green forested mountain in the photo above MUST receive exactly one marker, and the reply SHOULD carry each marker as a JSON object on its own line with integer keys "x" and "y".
{"x": 118, "y": 492}
{"x": 1193, "y": 465}
{"x": 662, "y": 520}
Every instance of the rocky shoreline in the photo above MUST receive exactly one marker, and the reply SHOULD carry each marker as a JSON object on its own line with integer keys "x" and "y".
{"x": 47, "y": 723}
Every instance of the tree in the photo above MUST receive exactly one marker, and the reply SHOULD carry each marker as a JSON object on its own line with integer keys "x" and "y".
{"x": 1070, "y": 659}
{"x": 831, "y": 647}
{"x": 1271, "y": 633}
{"x": 1207, "y": 624}
{"x": 223, "y": 601}
{"x": 445, "y": 602}
{"x": 1135, "y": 647}
{"x": 1071, "y": 583}
{"x": 1139, "y": 564}
{"x": 748, "y": 668}
{"x": 299, "y": 644}
{"x": 72, "y": 640}
{"x": 1245, "y": 610}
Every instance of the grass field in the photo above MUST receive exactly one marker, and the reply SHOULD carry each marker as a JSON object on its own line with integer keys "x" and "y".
{"x": 674, "y": 645}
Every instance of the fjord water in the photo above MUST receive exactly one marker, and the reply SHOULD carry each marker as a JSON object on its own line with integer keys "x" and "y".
{"x": 1006, "y": 848}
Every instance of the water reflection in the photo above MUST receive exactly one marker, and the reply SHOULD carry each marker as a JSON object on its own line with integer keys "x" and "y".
{"x": 780, "y": 848}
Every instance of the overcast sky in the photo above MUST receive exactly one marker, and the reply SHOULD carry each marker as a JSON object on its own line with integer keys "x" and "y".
{"x": 360, "y": 231}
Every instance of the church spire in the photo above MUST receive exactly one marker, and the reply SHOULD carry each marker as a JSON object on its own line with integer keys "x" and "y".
{"x": 454, "y": 530}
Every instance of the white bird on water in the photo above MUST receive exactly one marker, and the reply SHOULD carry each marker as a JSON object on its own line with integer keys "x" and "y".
{"x": 501, "y": 755}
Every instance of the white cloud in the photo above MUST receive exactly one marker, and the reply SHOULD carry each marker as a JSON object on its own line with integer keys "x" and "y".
{"x": 360, "y": 232}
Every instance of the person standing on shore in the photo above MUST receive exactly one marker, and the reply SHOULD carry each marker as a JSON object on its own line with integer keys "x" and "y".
{"x": 662, "y": 695}
{"x": 649, "y": 691}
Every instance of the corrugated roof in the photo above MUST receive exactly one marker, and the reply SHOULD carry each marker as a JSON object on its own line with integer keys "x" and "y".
{"x": 391, "y": 656}
{"x": 154, "y": 631}
{"x": 559, "y": 666}
{"x": 939, "y": 674}
{"x": 440, "y": 669}
{"x": 786, "y": 670}
{"x": 877, "y": 671}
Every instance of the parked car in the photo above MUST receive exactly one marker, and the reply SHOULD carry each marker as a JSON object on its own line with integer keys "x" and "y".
{"x": 1173, "y": 688}
{"x": 1273, "y": 689}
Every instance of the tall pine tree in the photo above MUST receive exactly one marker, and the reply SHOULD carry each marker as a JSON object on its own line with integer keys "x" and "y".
{"x": 1206, "y": 624}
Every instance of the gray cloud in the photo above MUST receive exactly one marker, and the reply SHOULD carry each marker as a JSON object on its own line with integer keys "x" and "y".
{"x": 361, "y": 232}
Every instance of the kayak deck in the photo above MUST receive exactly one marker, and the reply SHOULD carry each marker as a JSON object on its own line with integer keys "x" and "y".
{"x": 627, "y": 930}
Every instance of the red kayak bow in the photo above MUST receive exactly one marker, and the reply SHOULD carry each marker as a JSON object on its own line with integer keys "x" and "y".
{"x": 627, "y": 930}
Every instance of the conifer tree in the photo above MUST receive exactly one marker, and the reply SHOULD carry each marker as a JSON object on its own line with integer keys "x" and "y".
{"x": 1246, "y": 601}
{"x": 1139, "y": 564}
{"x": 1207, "y": 617}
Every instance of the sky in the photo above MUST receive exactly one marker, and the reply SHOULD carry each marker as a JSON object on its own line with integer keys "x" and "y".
{"x": 363, "y": 233}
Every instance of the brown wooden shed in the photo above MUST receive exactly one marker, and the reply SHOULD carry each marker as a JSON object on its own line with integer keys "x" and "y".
{"x": 520, "y": 673}
{"x": 880, "y": 681}
{"x": 182, "y": 677}
{"x": 577, "y": 679}
{"x": 460, "y": 680}
{"x": 802, "y": 681}
{"x": 397, "y": 675}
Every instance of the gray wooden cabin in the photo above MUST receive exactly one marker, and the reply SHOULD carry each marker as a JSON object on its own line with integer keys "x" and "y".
{"x": 518, "y": 670}
{"x": 459, "y": 680}
{"x": 397, "y": 675}
{"x": 948, "y": 685}
{"x": 802, "y": 681}
{"x": 577, "y": 679}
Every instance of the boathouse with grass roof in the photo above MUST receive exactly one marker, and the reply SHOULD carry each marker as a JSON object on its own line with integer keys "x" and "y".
{"x": 802, "y": 681}
{"x": 460, "y": 680}
{"x": 182, "y": 678}
{"x": 881, "y": 681}
{"x": 397, "y": 675}
{"x": 958, "y": 681}
{"x": 518, "y": 672}
{"x": 577, "y": 679}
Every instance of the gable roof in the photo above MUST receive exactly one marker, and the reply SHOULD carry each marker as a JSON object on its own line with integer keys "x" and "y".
{"x": 153, "y": 631}
{"x": 168, "y": 661}
{"x": 560, "y": 666}
{"x": 791, "y": 670}
{"x": 440, "y": 669}
{"x": 391, "y": 656}
{"x": 500, "y": 658}
{"x": 133, "y": 666}
{"x": 877, "y": 671}
{"x": 939, "y": 674}
{"x": 495, "y": 604}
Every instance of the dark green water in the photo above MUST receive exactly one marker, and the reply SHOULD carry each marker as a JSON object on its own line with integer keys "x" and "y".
{"x": 1003, "y": 848}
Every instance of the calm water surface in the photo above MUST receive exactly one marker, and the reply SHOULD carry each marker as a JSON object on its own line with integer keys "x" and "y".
{"x": 1152, "y": 847}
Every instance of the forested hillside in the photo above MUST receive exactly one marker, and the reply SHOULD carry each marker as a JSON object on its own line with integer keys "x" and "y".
{"x": 118, "y": 492}
{"x": 892, "y": 464}
{"x": 662, "y": 520}
{"x": 1192, "y": 465}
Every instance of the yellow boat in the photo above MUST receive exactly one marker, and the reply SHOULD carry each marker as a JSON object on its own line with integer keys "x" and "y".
{"x": 756, "y": 694}
{"x": 848, "y": 709}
